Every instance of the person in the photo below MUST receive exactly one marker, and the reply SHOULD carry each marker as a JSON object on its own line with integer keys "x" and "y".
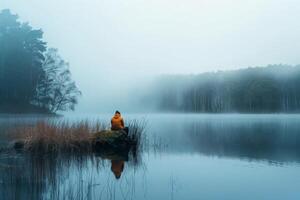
{"x": 117, "y": 123}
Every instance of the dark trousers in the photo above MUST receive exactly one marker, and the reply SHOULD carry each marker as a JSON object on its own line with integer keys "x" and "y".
{"x": 126, "y": 129}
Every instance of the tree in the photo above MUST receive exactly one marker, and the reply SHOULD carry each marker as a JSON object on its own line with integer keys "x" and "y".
{"x": 21, "y": 58}
{"x": 32, "y": 78}
{"x": 274, "y": 88}
{"x": 56, "y": 91}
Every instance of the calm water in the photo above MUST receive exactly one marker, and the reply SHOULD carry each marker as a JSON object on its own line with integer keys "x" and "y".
{"x": 183, "y": 157}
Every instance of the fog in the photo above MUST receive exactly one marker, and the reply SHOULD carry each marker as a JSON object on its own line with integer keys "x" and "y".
{"x": 114, "y": 47}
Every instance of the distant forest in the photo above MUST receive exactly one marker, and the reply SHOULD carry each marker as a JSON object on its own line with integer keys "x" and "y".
{"x": 270, "y": 89}
{"x": 33, "y": 77}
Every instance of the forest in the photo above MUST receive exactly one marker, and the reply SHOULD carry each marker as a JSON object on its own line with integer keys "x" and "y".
{"x": 269, "y": 89}
{"x": 33, "y": 77}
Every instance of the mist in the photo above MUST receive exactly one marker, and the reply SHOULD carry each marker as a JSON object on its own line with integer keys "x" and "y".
{"x": 115, "y": 48}
{"x": 149, "y": 99}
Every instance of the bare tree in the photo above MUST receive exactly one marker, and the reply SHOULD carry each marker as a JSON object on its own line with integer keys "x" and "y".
{"x": 56, "y": 91}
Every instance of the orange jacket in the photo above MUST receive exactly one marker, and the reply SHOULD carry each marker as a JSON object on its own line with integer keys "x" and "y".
{"x": 117, "y": 122}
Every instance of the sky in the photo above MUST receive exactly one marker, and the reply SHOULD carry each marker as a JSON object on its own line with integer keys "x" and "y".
{"x": 113, "y": 45}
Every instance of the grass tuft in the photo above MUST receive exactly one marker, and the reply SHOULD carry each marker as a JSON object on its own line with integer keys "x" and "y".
{"x": 64, "y": 136}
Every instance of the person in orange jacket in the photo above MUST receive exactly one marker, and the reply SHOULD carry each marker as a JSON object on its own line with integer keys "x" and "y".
{"x": 117, "y": 123}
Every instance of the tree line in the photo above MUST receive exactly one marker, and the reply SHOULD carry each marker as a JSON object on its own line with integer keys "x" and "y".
{"x": 274, "y": 88}
{"x": 33, "y": 77}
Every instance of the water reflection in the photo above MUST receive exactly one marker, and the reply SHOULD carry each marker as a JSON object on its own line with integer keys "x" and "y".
{"x": 266, "y": 137}
{"x": 117, "y": 167}
{"x": 25, "y": 176}
{"x": 181, "y": 151}
{"x": 272, "y": 141}
{"x": 118, "y": 159}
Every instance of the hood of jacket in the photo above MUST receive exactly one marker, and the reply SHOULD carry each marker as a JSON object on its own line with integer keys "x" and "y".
{"x": 117, "y": 116}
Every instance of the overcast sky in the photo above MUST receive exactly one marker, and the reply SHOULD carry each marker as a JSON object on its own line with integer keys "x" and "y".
{"x": 112, "y": 42}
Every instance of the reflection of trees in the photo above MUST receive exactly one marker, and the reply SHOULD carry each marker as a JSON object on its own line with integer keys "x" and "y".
{"x": 33, "y": 177}
{"x": 272, "y": 141}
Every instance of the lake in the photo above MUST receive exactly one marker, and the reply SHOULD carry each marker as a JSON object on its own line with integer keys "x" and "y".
{"x": 184, "y": 156}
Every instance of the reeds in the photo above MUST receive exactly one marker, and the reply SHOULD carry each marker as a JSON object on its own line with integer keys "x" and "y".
{"x": 137, "y": 130}
{"x": 64, "y": 136}
{"x": 58, "y": 135}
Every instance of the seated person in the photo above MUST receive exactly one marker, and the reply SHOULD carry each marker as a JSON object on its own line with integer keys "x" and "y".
{"x": 117, "y": 123}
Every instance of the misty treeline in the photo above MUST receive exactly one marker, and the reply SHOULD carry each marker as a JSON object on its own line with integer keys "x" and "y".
{"x": 274, "y": 88}
{"x": 33, "y": 77}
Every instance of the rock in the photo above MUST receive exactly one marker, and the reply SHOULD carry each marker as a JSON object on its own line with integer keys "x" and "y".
{"x": 111, "y": 139}
{"x": 19, "y": 145}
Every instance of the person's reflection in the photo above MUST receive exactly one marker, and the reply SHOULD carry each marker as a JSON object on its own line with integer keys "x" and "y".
{"x": 117, "y": 167}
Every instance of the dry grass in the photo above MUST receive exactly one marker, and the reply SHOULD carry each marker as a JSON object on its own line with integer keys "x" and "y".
{"x": 63, "y": 136}
{"x": 56, "y": 136}
{"x": 137, "y": 130}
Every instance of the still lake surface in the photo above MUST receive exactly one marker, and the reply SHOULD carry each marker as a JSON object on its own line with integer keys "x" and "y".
{"x": 184, "y": 156}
